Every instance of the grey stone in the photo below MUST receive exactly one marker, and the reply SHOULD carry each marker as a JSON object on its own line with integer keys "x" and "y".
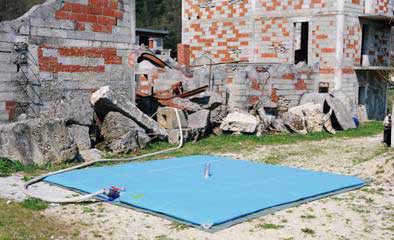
{"x": 91, "y": 155}
{"x": 294, "y": 122}
{"x": 341, "y": 114}
{"x": 37, "y": 141}
{"x": 239, "y": 122}
{"x": 199, "y": 120}
{"x": 122, "y": 134}
{"x": 186, "y": 104}
{"x": 342, "y": 117}
{"x": 312, "y": 115}
{"x": 278, "y": 125}
{"x": 167, "y": 118}
{"x": 188, "y": 134}
{"x": 74, "y": 107}
{"x": 105, "y": 100}
{"x": 81, "y": 137}
{"x": 209, "y": 100}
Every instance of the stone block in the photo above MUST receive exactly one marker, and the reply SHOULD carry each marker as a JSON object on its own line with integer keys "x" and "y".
{"x": 81, "y": 137}
{"x": 167, "y": 118}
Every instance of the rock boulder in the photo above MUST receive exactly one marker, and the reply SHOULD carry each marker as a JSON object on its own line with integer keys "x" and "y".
{"x": 239, "y": 122}
{"x": 37, "y": 141}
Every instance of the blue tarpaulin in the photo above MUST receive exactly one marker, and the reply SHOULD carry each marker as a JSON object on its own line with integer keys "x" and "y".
{"x": 236, "y": 190}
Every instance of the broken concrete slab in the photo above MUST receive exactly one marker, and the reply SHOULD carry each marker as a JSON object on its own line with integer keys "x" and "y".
{"x": 74, "y": 107}
{"x": 105, "y": 100}
{"x": 312, "y": 115}
{"x": 342, "y": 117}
{"x": 91, "y": 155}
{"x": 199, "y": 119}
{"x": 122, "y": 134}
{"x": 37, "y": 141}
{"x": 188, "y": 134}
{"x": 167, "y": 118}
{"x": 209, "y": 100}
{"x": 182, "y": 103}
{"x": 81, "y": 136}
{"x": 294, "y": 122}
{"x": 240, "y": 122}
{"x": 278, "y": 125}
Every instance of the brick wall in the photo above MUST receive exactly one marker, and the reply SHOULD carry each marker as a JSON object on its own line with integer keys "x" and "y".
{"x": 73, "y": 46}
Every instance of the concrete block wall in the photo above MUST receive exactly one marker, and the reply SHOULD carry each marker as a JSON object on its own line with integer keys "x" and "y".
{"x": 243, "y": 85}
{"x": 73, "y": 46}
{"x": 264, "y": 31}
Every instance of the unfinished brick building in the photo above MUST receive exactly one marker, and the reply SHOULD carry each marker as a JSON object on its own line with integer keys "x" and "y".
{"x": 281, "y": 49}
{"x": 65, "y": 47}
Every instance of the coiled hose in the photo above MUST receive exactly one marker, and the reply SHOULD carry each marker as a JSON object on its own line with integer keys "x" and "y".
{"x": 84, "y": 165}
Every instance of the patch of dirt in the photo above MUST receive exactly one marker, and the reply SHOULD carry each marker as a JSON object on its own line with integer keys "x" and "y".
{"x": 367, "y": 213}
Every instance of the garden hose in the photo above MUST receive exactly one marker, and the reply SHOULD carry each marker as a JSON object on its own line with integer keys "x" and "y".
{"x": 84, "y": 165}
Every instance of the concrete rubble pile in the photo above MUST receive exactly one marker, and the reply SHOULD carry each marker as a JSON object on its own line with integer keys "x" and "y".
{"x": 83, "y": 126}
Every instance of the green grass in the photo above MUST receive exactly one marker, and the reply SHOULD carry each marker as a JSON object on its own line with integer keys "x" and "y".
{"x": 34, "y": 204}
{"x": 235, "y": 144}
{"x": 269, "y": 226}
{"x": 20, "y": 223}
{"x": 8, "y": 167}
{"x": 308, "y": 231}
{"x": 210, "y": 145}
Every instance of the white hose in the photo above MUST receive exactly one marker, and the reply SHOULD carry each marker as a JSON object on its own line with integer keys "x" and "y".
{"x": 89, "y": 196}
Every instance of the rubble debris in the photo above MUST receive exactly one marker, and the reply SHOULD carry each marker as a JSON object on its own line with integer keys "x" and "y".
{"x": 188, "y": 134}
{"x": 167, "y": 118}
{"x": 278, "y": 125}
{"x": 91, "y": 155}
{"x": 37, "y": 141}
{"x": 105, "y": 101}
{"x": 123, "y": 135}
{"x": 209, "y": 100}
{"x": 182, "y": 103}
{"x": 240, "y": 123}
{"x": 294, "y": 122}
{"x": 312, "y": 115}
{"x": 199, "y": 120}
{"x": 341, "y": 117}
{"x": 73, "y": 107}
{"x": 81, "y": 136}
{"x": 327, "y": 124}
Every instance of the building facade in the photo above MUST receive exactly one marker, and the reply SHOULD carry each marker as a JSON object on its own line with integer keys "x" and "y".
{"x": 345, "y": 44}
{"x": 65, "y": 47}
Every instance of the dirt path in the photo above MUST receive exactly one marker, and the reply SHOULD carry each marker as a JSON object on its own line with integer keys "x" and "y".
{"x": 363, "y": 214}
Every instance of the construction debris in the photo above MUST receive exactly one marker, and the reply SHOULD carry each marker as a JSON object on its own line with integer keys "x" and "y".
{"x": 73, "y": 108}
{"x": 91, "y": 155}
{"x": 105, "y": 101}
{"x": 122, "y": 134}
{"x": 37, "y": 141}
{"x": 240, "y": 123}
{"x": 166, "y": 117}
{"x": 80, "y": 134}
{"x": 112, "y": 122}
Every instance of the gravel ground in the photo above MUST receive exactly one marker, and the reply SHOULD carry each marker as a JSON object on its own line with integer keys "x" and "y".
{"x": 367, "y": 213}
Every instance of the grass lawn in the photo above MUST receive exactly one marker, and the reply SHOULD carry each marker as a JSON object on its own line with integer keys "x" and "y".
{"x": 234, "y": 144}
{"x": 25, "y": 221}
{"x": 210, "y": 145}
